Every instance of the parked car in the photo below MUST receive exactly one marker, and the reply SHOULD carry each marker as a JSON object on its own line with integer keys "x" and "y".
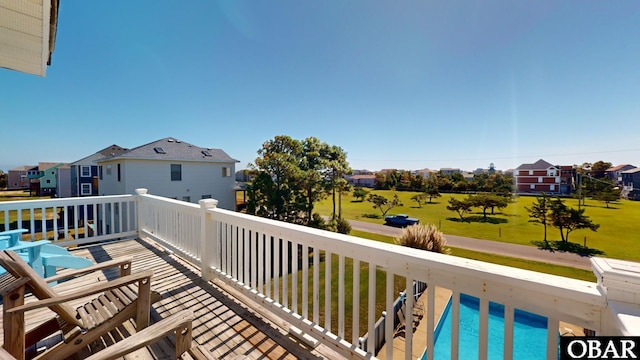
{"x": 400, "y": 220}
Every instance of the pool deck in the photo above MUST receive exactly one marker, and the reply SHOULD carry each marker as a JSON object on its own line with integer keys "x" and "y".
{"x": 420, "y": 333}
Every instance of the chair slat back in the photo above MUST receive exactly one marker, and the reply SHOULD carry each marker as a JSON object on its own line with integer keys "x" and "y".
{"x": 15, "y": 265}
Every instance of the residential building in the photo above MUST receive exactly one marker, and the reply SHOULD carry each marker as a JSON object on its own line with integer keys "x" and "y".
{"x": 84, "y": 172}
{"x": 63, "y": 179}
{"x": 614, "y": 173}
{"x": 171, "y": 168}
{"x": 362, "y": 180}
{"x": 631, "y": 184}
{"x": 538, "y": 177}
{"x": 17, "y": 178}
{"x": 425, "y": 173}
{"x": 450, "y": 171}
{"x": 48, "y": 180}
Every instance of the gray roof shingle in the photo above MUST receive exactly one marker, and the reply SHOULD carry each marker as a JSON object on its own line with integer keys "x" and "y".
{"x": 538, "y": 165}
{"x": 174, "y": 149}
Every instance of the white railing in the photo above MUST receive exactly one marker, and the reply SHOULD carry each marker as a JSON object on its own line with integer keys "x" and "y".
{"x": 289, "y": 269}
{"x": 72, "y": 221}
{"x": 312, "y": 278}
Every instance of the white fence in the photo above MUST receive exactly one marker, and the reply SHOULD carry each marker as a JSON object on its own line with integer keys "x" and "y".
{"x": 325, "y": 283}
{"x": 72, "y": 221}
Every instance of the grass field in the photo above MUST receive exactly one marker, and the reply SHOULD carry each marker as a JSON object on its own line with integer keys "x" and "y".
{"x": 618, "y": 235}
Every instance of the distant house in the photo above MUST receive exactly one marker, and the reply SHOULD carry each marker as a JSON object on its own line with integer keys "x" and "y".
{"x": 171, "y": 168}
{"x": 362, "y": 180}
{"x": 631, "y": 184}
{"x": 63, "y": 179}
{"x": 450, "y": 171}
{"x": 48, "y": 180}
{"x": 17, "y": 178}
{"x": 614, "y": 173}
{"x": 538, "y": 177}
{"x": 84, "y": 172}
{"x": 425, "y": 173}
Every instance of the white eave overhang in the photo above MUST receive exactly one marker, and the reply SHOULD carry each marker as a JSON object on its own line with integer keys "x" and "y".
{"x": 27, "y": 34}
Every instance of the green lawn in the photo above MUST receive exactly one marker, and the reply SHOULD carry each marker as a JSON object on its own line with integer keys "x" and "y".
{"x": 617, "y": 236}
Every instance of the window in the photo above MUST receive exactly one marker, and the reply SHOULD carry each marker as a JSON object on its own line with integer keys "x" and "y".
{"x": 552, "y": 188}
{"x": 159, "y": 150}
{"x": 206, "y": 153}
{"x": 176, "y": 172}
{"x": 108, "y": 169}
{"x": 85, "y": 171}
{"x": 118, "y": 172}
{"x": 48, "y": 181}
{"x": 226, "y": 172}
{"x": 100, "y": 172}
{"x": 539, "y": 179}
{"x": 530, "y": 172}
{"x": 186, "y": 198}
{"x": 532, "y": 186}
{"x": 85, "y": 189}
{"x": 206, "y": 196}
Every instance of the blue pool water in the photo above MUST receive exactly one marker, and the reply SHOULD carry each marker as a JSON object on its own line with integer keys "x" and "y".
{"x": 529, "y": 332}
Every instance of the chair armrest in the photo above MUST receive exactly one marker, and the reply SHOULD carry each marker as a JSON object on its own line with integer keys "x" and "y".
{"x": 28, "y": 245}
{"x": 98, "y": 288}
{"x": 179, "y": 322}
{"x": 100, "y": 266}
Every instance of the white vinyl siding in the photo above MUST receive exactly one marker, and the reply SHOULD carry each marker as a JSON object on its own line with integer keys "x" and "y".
{"x": 153, "y": 175}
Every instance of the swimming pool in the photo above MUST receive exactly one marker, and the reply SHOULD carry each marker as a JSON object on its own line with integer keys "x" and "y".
{"x": 529, "y": 332}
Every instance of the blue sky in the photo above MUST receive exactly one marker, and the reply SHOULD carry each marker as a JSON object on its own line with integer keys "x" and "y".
{"x": 408, "y": 85}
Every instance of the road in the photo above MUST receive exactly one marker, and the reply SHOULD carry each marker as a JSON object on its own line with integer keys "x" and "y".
{"x": 492, "y": 247}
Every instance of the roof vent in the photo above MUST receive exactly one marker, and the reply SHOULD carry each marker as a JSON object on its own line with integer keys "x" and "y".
{"x": 170, "y": 140}
{"x": 159, "y": 150}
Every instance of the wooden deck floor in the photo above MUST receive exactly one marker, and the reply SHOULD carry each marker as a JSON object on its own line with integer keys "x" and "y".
{"x": 224, "y": 325}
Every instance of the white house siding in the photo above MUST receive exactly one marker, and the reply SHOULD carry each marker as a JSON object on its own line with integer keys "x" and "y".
{"x": 199, "y": 179}
{"x": 109, "y": 184}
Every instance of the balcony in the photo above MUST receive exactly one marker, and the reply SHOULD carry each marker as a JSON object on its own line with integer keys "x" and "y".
{"x": 258, "y": 286}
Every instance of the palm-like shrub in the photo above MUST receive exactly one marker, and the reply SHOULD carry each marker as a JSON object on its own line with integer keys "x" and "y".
{"x": 424, "y": 237}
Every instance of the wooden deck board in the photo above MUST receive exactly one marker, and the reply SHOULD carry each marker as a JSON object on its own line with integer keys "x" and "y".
{"x": 222, "y": 324}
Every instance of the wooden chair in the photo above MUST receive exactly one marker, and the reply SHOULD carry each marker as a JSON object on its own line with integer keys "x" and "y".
{"x": 113, "y": 303}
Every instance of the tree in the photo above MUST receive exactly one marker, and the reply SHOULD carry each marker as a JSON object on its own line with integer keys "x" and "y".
{"x": 432, "y": 192}
{"x": 462, "y": 207}
{"x": 487, "y": 201}
{"x": 383, "y": 204}
{"x": 3, "y": 179}
{"x": 418, "y": 198}
{"x": 292, "y": 175}
{"x": 539, "y": 212}
{"x": 569, "y": 219}
{"x": 608, "y": 195}
{"x": 598, "y": 169}
{"x": 359, "y": 193}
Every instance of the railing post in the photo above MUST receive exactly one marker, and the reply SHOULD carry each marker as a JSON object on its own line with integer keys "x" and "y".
{"x": 208, "y": 236}
{"x": 140, "y": 191}
{"x": 619, "y": 281}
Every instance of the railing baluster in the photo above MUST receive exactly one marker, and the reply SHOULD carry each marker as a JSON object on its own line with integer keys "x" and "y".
{"x": 356, "y": 302}
{"x": 316, "y": 285}
{"x": 431, "y": 319}
{"x": 508, "y": 331}
{"x": 553, "y": 326}
{"x": 294, "y": 276}
{"x": 305, "y": 281}
{"x": 388, "y": 329}
{"x": 483, "y": 331}
{"x": 268, "y": 256}
{"x": 371, "y": 311}
{"x": 455, "y": 325}
{"x": 327, "y": 290}
{"x": 341, "y": 296}
{"x": 285, "y": 272}
{"x": 246, "y": 240}
{"x": 409, "y": 301}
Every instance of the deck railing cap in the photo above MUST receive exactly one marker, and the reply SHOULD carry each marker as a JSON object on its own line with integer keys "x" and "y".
{"x": 618, "y": 279}
{"x": 208, "y": 203}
